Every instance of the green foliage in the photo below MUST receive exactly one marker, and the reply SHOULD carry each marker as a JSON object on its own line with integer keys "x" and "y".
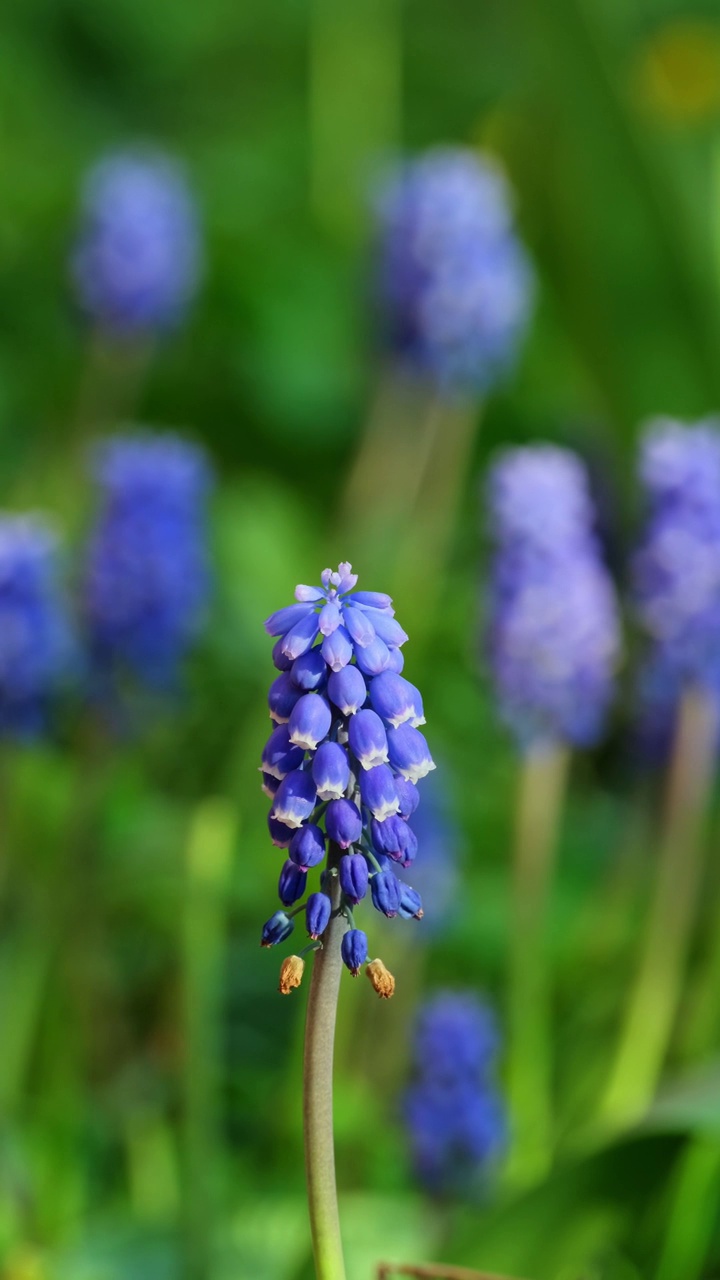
{"x": 149, "y": 1073}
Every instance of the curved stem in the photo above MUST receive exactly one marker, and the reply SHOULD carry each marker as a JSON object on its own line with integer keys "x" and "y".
{"x": 318, "y": 1093}
{"x": 656, "y": 995}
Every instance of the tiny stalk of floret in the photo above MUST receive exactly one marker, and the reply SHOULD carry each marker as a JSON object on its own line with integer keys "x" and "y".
{"x": 541, "y": 793}
{"x": 318, "y": 1088}
{"x": 655, "y": 996}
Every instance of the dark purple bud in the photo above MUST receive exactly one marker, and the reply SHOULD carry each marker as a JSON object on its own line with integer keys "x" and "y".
{"x": 377, "y": 788}
{"x": 307, "y": 847}
{"x": 354, "y": 950}
{"x": 295, "y": 799}
{"x": 317, "y": 914}
{"x": 385, "y": 892}
{"x": 330, "y": 771}
{"x": 394, "y": 837}
{"x": 347, "y": 689}
{"x": 343, "y": 822}
{"x": 292, "y": 884}
{"x": 409, "y": 752}
{"x": 373, "y": 658}
{"x": 276, "y": 929}
{"x": 396, "y": 700}
{"x": 309, "y": 671}
{"x": 408, "y": 795}
{"x": 270, "y": 785}
{"x": 337, "y": 649}
{"x": 282, "y": 697}
{"x": 361, "y": 629}
{"x": 353, "y": 877}
{"x": 279, "y": 833}
{"x": 310, "y": 721}
{"x": 282, "y": 662}
{"x": 367, "y": 739}
{"x": 302, "y": 636}
{"x": 411, "y": 907}
{"x": 279, "y": 756}
{"x": 279, "y": 623}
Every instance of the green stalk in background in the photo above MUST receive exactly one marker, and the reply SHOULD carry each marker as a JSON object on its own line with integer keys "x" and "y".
{"x": 318, "y": 1092}
{"x": 405, "y": 491}
{"x": 656, "y": 994}
{"x": 212, "y": 837}
{"x": 355, "y": 104}
{"x": 691, "y": 1221}
{"x": 542, "y": 786}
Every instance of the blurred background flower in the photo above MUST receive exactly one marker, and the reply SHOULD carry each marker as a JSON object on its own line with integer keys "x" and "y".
{"x": 138, "y": 256}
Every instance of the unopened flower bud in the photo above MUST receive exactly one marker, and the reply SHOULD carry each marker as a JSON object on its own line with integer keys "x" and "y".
{"x": 381, "y": 979}
{"x": 291, "y": 972}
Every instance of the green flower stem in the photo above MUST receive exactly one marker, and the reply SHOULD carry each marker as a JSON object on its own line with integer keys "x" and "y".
{"x": 656, "y": 994}
{"x": 318, "y": 1092}
{"x": 542, "y": 788}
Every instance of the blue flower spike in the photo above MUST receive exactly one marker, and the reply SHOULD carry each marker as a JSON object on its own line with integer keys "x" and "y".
{"x": 454, "y": 1115}
{"x": 341, "y": 766}
{"x": 454, "y": 282}
{"x": 555, "y": 630}
{"x": 138, "y": 256}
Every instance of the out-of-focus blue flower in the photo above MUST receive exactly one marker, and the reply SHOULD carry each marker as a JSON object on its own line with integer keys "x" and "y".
{"x": 455, "y": 283}
{"x": 554, "y": 626}
{"x": 454, "y": 1115}
{"x": 347, "y": 723}
{"x": 146, "y": 579}
{"x": 138, "y": 256}
{"x": 437, "y": 874}
{"x": 677, "y": 567}
{"x": 35, "y": 646}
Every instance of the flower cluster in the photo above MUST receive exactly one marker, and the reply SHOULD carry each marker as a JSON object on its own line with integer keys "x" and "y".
{"x": 677, "y": 568}
{"x": 455, "y": 283}
{"x": 453, "y": 1113}
{"x": 138, "y": 257}
{"x": 34, "y": 631}
{"x": 346, "y": 752}
{"x": 554, "y": 628}
{"x": 146, "y": 578}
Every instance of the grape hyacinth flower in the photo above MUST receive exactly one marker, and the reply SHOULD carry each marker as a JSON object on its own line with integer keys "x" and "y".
{"x": 554, "y": 630}
{"x": 349, "y": 758}
{"x": 455, "y": 283}
{"x": 677, "y": 567}
{"x": 454, "y": 1116}
{"x": 138, "y": 257}
{"x": 35, "y": 646}
{"x": 146, "y": 579}
{"x": 676, "y": 574}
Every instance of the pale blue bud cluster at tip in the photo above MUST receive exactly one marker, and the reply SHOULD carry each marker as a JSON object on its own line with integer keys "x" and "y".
{"x": 35, "y": 645}
{"x": 676, "y": 570}
{"x": 554, "y": 638}
{"x": 146, "y": 579}
{"x": 138, "y": 255}
{"x": 344, "y": 757}
{"x": 455, "y": 283}
{"x": 454, "y": 1116}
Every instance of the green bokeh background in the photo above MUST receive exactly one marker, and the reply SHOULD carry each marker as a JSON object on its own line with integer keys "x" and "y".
{"x": 149, "y": 1073}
